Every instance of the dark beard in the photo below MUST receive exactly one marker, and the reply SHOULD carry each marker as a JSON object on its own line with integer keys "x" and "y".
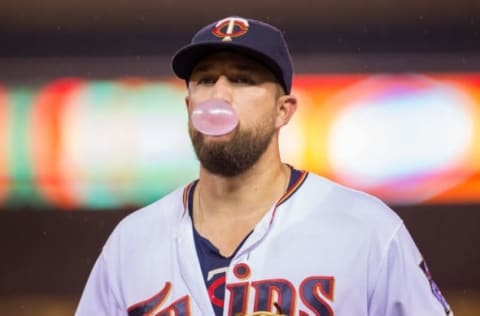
{"x": 231, "y": 158}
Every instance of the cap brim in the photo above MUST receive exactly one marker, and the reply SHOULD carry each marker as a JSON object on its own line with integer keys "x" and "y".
{"x": 186, "y": 58}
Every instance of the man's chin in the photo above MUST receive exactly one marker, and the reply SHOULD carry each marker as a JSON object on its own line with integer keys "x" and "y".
{"x": 233, "y": 153}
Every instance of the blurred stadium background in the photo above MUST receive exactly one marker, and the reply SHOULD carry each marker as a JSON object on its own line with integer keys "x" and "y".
{"x": 92, "y": 125}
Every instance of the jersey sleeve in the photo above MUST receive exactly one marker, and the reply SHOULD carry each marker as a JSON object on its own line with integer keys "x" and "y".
{"x": 404, "y": 285}
{"x": 98, "y": 298}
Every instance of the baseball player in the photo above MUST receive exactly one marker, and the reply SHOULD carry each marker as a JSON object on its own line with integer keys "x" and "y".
{"x": 254, "y": 236}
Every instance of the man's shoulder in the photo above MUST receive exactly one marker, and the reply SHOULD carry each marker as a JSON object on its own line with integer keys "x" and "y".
{"x": 160, "y": 217}
{"x": 169, "y": 207}
{"x": 342, "y": 201}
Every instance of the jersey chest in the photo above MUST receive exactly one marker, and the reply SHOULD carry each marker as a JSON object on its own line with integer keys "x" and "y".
{"x": 264, "y": 276}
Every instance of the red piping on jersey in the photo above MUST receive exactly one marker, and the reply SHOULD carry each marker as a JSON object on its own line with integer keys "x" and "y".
{"x": 292, "y": 189}
{"x": 186, "y": 193}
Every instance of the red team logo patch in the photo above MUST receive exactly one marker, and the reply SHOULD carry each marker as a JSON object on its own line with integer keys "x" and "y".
{"x": 230, "y": 27}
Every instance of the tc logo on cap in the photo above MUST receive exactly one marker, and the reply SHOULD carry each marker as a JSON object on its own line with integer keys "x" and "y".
{"x": 230, "y": 27}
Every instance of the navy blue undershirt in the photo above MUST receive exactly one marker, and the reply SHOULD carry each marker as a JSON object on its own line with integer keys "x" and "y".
{"x": 211, "y": 261}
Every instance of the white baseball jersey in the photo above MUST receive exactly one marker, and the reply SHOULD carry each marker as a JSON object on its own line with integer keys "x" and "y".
{"x": 322, "y": 249}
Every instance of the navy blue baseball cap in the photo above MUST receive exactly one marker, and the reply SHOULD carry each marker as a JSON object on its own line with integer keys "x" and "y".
{"x": 257, "y": 40}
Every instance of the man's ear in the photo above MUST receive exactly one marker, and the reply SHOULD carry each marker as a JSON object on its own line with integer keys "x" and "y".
{"x": 286, "y": 107}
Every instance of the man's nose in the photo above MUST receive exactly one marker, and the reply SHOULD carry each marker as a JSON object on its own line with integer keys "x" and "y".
{"x": 222, "y": 89}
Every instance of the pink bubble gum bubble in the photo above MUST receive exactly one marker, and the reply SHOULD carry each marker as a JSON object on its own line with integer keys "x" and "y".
{"x": 214, "y": 117}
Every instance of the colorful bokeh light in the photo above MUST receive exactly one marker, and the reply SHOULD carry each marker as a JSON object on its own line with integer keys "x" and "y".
{"x": 86, "y": 144}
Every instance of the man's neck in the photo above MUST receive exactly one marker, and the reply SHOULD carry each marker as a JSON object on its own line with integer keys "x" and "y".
{"x": 256, "y": 187}
{"x": 226, "y": 209}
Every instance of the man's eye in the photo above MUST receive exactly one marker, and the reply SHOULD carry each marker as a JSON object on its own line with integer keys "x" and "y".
{"x": 206, "y": 80}
{"x": 242, "y": 80}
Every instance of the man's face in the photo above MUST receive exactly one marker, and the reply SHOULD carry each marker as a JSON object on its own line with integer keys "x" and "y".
{"x": 252, "y": 91}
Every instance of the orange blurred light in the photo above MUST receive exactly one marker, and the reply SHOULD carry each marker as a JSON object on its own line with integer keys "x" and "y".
{"x": 5, "y": 181}
{"x": 47, "y": 140}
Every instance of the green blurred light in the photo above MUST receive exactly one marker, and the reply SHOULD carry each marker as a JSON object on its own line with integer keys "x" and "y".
{"x": 23, "y": 192}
